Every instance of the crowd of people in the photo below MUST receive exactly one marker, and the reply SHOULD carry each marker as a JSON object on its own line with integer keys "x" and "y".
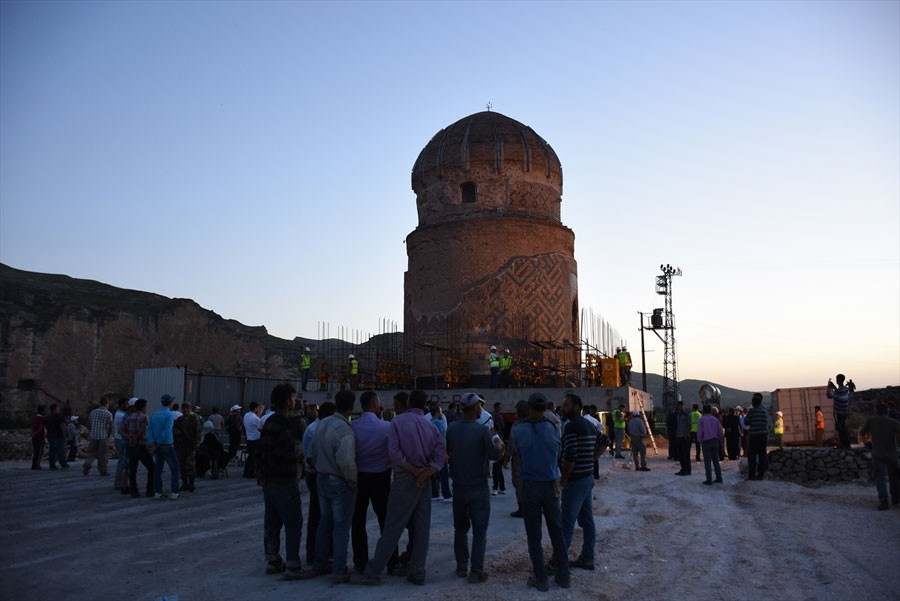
{"x": 400, "y": 462}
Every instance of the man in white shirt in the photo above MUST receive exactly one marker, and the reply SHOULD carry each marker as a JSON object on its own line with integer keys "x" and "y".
{"x": 251, "y": 431}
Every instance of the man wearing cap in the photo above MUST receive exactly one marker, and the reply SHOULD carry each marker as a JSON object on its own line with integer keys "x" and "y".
{"x": 579, "y": 448}
{"x": 779, "y": 430}
{"x": 506, "y": 362}
{"x": 161, "y": 444}
{"x": 305, "y": 365}
{"x": 186, "y": 433}
{"x": 472, "y": 447}
{"x": 101, "y": 421}
{"x": 538, "y": 445}
{"x": 494, "y": 364}
{"x": 636, "y": 432}
{"x": 417, "y": 453}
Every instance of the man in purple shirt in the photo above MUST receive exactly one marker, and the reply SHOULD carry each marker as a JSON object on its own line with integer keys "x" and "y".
{"x": 709, "y": 433}
{"x": 417, "y": 453}
{"x": 374, "y": 472}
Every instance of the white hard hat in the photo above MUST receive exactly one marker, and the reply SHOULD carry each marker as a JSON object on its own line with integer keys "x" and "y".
{"x": 506, "y": 351}
{"x": 350, "y": 356}
{"x": 779, "y": 413}
{"x": 493, "y": 347}
{"x": 306, "y": 349}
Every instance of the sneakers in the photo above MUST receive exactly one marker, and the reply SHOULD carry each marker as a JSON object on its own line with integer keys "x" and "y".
{"x": 717, "y": 481}
{"x": 541, "y": 585}
{"x": 417, "y": 580}
{"x": 275, "y": 567}
{"x": 175, "y": 496}
{"x": 296, "y": 574}
{"x": 477, "y": 577}
{"x": 502, "y": 492}
{"x": 581, "y": 563}
{"x": 448, "y": 500}
{"x": 341, "y": 578}
{"x": 494, "y": 493}
{"x": 462, "y": 572}
{"x": 157, "y": 495}
{"x": 362, "y": 579}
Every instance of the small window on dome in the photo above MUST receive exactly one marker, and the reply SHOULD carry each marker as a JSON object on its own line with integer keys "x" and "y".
{"x": 469, "y": 192}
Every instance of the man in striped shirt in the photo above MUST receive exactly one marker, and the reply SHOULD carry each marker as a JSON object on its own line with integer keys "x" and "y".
{"x": 841, "y": 396}
{"x": 757, "y": 421}
{"x": 579, "y": 446}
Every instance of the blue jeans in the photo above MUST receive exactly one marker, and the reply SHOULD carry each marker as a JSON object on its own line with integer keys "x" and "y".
{"x": 122, "y": 463}
{"x": 540, "y": 498}
{"x": 711, "y": 449}
{"x": 165, "y": 454}
{"x": 576, "y": 505}
{"x": 886, "y": 477}
{"x": 57, "y": 451}
{"x": 283, "y": 508}
{"x": 336, "y": 502}
{"x": 471, "y": 507}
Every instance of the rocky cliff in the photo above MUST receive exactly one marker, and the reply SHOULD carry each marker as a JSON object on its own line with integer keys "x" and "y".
{"x": 80, "y": 339}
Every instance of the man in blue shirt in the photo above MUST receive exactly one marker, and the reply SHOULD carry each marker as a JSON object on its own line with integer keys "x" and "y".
{"x": 538, "y": 446}
{"x": 161, "y": 444}
{"x": 374, "y": 472}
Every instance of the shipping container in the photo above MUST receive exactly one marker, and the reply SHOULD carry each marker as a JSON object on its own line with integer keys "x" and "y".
{"x": 798, "y": 406}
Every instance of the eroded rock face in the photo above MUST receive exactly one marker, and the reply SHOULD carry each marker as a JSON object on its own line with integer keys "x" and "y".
{"x": 81, "y": 339}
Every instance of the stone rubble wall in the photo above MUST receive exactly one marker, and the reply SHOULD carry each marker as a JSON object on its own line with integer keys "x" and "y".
{"x": 804, "y": 465}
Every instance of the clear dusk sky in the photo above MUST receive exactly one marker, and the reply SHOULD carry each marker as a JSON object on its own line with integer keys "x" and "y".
{"x": 256, "y": 157}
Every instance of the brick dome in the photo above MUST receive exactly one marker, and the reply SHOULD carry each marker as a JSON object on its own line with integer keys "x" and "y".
{"x": 487, "y": 163}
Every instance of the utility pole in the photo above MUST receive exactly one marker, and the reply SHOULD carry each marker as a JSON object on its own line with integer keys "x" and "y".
{"x": 643, "y": 356}
{"x": 664, "y": 319}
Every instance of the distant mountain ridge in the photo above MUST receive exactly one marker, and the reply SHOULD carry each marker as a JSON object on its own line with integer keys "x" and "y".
{"x": 81, "y": 339}
{"x": 689, "y": 391}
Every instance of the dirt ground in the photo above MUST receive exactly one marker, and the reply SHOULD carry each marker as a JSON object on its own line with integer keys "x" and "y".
{"x": 71, "y": 538}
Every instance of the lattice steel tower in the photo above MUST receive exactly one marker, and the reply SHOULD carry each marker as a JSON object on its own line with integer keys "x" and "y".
{"x": 666, "y": 323}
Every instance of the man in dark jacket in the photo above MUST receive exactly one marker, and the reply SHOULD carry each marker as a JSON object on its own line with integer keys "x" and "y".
{"x": 277, "y": 474}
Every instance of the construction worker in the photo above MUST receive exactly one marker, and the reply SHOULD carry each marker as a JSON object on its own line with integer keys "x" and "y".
{"x": 305, "y": 364}
{"x": 494, "y": 362}
{"x": 820, "y": 426}
{"x": 619, "y": 429}
{"x": 695, "y": 420}
{"x": 506, "y": 362}
{"x": 624, "y": 358}
{"x": 779, "y": 430}
{"x": 354, "y": 371}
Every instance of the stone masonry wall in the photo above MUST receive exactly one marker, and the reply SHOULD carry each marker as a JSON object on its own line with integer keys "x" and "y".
{"x": 806, "y": 465}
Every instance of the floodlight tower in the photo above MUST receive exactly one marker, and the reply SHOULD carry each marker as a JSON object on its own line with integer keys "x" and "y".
{"x": 664, "y": 320}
